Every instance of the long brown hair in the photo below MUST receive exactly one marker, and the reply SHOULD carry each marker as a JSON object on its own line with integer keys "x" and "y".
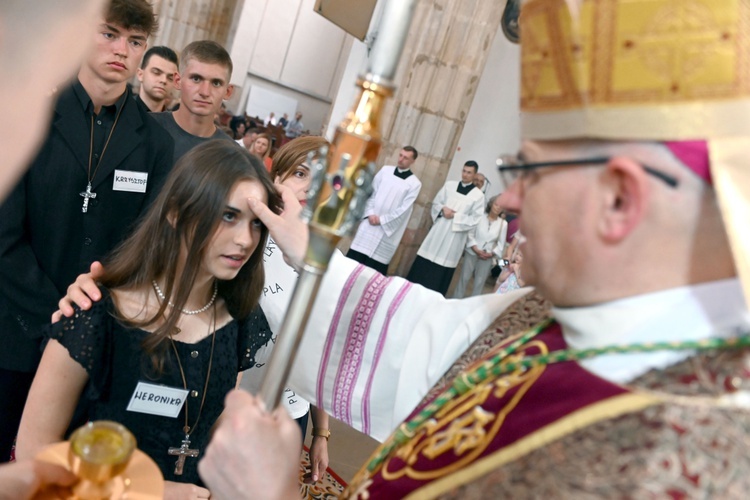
{"x": 293, "y": 153}
{"x": 188, "y": 212}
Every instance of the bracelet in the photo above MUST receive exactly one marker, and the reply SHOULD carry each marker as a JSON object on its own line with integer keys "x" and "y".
{"x": 325, "y": 433}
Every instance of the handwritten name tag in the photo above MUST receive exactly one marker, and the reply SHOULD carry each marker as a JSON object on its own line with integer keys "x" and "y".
{"x": 133, "y": 182}
{"x": 157, "y": 400}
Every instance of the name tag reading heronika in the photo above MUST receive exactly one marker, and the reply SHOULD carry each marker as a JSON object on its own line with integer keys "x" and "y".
{"x": 133, "y": 182}
{"x": 157, "y": 399}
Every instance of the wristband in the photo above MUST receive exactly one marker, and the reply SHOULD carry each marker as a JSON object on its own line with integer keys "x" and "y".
{"x": 325, "y": 433}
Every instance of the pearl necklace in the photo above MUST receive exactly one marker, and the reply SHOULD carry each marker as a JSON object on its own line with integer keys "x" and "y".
{"x": 158, "y": 291}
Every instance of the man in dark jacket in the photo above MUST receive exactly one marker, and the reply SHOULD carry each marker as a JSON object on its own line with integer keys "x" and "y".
{"x": 102, "y": 163}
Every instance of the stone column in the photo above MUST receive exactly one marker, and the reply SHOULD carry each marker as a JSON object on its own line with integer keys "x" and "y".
{"x": 185, "y": 21}
{"x": 438, "y": 75}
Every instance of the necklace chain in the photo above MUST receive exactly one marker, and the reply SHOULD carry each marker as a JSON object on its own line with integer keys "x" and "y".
{"x": 91, "y": 144}
{"x": 187, "y": 429}
{"x": 189, "y": 312}
{"x": 88, "y": 194}
{"x": 497, "y": 366}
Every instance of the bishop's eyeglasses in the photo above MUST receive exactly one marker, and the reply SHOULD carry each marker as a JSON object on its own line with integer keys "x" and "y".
{"x": 515, "y": 170}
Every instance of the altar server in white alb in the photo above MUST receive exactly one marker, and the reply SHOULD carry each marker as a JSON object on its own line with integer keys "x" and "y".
{"x": 456, "y": 209}
{"x": 387, "y": 213}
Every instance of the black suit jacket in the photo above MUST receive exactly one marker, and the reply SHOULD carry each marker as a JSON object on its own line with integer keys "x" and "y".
{"x": 45, "y": 239}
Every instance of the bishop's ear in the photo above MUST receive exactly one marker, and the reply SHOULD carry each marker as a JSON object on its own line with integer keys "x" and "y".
{"x": 625, "y": 190}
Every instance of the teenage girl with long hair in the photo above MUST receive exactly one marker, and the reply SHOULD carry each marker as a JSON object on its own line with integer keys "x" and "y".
{"x": 178, "y": 313}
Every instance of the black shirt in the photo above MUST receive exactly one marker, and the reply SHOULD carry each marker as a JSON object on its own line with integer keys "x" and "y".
{"x": 102, "y": 122}
{"x": 112, "y": 356}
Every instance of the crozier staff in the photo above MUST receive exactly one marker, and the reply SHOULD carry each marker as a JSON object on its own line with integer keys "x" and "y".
{"x": 290, "y": 169}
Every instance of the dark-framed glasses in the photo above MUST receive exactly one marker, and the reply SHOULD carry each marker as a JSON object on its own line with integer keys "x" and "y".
{"x": 510, "y": 173}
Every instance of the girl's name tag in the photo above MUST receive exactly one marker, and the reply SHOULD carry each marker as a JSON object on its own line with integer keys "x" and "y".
{"x": 157, "y": 400}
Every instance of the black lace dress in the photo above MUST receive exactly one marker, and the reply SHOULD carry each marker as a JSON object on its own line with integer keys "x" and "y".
{"x": 112, "y": 355}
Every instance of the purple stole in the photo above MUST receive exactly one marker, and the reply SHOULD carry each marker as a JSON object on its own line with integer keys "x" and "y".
{"x": 496, "y": 422}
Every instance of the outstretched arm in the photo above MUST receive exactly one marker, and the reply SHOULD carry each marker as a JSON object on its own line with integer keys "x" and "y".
{"x": 395, "y": 322}
{"x": 287, "y": 229}
{"x": 25, "y": 478}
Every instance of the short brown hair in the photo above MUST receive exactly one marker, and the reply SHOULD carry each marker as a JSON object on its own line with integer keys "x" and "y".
{"x": 411, "y": 150}
{"x": 293, "y": 153}
{"x": 206, "y": 51}
{"x": 133, "y": 14}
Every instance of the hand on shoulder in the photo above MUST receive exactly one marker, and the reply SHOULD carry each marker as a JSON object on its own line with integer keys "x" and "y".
{"x": 83, "y": 293}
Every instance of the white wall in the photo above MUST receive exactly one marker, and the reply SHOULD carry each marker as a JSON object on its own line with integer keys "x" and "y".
{"x": 347, "y": 90}
{"x": 493, "y": 124}
{"x": 356, "y": 65}
{"x": 285, "y": 47}
{"x": 314, "y": 111}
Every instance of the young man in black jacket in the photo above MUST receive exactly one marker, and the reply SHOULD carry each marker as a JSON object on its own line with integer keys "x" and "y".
{"x": 102, "y": 163}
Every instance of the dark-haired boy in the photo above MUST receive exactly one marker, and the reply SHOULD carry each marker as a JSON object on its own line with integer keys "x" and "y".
{"x": 101, "y": 164}
{"x": 456, "y": 209}
{"x": 394, "y": 191}
{"x": 157, "y": 75}
{"x": 205, "y": 70}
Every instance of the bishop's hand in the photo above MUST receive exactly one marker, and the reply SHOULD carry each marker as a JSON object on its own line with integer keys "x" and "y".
{"x": 252, "y": 451}
{"x": 287, "y": 229}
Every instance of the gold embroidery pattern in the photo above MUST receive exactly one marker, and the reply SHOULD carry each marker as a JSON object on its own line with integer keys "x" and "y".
{"x": 624, "y": 52}
{"x": 465, "y": 427}
{"x": 507, "y": 327}
{"x": 666, "y": 450}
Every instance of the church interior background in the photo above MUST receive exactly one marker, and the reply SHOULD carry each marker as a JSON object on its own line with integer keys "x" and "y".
{"x": 457, "y": 83}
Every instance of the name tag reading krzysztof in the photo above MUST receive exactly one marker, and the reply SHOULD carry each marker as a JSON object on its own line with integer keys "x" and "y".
{"x": 157, "y": 399}
{"x": 133, "y": 182}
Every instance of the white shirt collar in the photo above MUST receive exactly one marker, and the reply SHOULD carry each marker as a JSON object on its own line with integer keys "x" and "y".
{"x": 715, "y": 309}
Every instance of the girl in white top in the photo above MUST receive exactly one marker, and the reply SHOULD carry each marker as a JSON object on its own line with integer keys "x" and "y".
{"x": 289, "y": 168}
